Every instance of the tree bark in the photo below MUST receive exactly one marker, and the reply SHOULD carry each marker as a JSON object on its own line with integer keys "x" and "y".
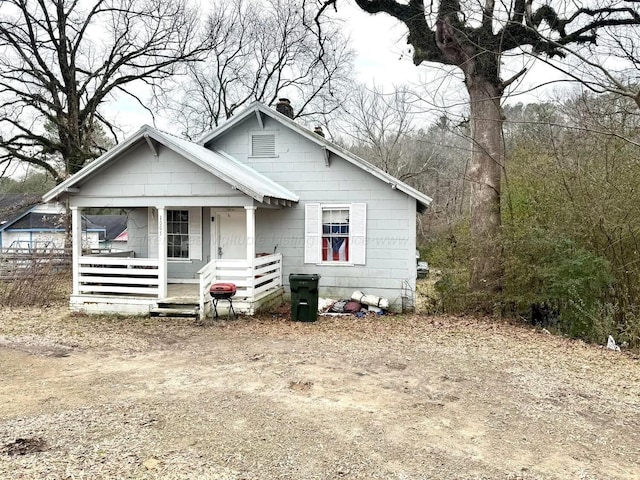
{"x": 484, "y": 175}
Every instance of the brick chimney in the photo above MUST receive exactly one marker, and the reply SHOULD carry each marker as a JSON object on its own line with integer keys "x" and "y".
{"x": 318, "y": 131}
{"x": 284, "y": 107}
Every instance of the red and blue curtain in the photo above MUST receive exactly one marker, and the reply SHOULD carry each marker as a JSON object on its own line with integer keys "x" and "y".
{"x": 335, "y": 248}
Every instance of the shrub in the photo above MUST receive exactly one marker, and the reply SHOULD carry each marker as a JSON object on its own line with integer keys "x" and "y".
{"x": 552, "y": 281}
{"x": 43, "y": 288}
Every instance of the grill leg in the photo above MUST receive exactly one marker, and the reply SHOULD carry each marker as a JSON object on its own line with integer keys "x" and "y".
{"x": 214, "y": 308}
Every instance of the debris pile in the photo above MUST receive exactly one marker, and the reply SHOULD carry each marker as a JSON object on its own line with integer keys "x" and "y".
{"x": 359, "y": 304}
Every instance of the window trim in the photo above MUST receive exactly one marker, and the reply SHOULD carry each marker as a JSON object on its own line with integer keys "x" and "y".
{"x": 326, "y": 207}
{"x": 188, "y": 234}
{"x": 313, "y": 233}
{"x": 195, "y": 234}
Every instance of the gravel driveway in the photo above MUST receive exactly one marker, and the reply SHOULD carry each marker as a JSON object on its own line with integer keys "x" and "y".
{"x": 394, "y": 397}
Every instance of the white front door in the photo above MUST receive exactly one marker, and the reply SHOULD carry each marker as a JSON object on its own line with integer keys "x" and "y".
{"x": 229, "y": 234}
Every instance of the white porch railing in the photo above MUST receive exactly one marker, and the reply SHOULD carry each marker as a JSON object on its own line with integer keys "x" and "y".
{"x": 118, "y": 276}
{"x": 250, "y": 278}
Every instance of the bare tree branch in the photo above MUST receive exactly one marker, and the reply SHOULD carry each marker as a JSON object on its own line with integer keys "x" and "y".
{"x": 60, "y": 60}
{"x": 261, "y": 51}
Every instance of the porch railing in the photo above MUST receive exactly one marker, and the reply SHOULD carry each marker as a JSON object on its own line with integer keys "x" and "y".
{"x": 251, "y": 278}
{"x": 118, "y": 276}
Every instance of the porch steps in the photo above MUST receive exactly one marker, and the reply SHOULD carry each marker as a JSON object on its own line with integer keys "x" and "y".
{"x": 176, "y": 307}
{"x": 174, "y": 312}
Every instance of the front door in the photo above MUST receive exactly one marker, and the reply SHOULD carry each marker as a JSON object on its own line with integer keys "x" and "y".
{"x": 229, "y": 242}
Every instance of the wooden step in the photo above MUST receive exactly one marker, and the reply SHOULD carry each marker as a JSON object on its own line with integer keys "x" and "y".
{"x": 178, "y": 306}
{"x": 174, "y": 312}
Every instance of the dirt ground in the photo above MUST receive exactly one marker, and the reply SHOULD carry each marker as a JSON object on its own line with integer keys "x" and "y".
{"x": 391, "y": 397}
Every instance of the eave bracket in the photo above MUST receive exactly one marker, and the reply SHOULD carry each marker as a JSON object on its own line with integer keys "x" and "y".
{"x": 152, "y": 147}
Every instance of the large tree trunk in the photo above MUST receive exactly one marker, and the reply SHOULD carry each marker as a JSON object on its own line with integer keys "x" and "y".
{"x": 484, "y": 175}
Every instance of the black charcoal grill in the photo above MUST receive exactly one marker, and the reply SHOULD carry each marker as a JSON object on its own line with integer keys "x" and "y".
{"x": 222, "y": 291}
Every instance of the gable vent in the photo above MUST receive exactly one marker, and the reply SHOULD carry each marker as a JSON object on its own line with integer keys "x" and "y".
{"x": 263, "y": 145}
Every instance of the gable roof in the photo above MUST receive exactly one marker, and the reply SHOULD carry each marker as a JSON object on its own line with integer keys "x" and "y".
{"x": 113, "y": 225}
{"x": 38, "y": 221}
{"x": 14, "y": 206}
{"x": 238, "y": 175}
{"x": 257, "y": 109}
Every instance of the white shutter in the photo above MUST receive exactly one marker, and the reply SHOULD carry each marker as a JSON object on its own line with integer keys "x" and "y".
{"x": 358, "y": 233}
{"x": 152, "y": 232}
{"x": 312, "y": 233}
{"x": 195, "y": 233}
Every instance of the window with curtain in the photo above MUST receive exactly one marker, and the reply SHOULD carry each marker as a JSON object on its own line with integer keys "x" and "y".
{"x": 335, "y": 235}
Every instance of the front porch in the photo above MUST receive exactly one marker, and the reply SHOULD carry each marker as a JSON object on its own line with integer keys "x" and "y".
{"x": 127, "y": 285}
{"x": 144, "y": 278}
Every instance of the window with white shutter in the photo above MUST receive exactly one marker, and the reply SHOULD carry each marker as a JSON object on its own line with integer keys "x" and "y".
{"x": 263, "y": 145}
{"x": 335, "y": 234}
{"x": 184, "y": 234}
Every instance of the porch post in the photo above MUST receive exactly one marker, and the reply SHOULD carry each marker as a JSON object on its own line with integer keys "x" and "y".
{"x": 76, "y": 248}
{"x": 162, "y": 252}
{"x": 251, "y": 233}
{"x": 251, "y": 248}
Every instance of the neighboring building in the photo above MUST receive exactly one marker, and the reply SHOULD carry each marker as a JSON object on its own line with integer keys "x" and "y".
{"x": 254, "y": 200}
{"x": 110, "y": 228}
{"x": 27, "y": 224}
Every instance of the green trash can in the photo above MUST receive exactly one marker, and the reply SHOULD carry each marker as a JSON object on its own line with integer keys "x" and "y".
{"x": 304, "y": 297}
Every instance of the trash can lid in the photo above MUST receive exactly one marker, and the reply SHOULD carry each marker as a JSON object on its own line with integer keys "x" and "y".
{"x": 304, "y": 276}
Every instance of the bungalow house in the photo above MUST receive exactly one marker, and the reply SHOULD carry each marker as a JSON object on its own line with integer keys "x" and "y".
{"x": 252, "y": 201}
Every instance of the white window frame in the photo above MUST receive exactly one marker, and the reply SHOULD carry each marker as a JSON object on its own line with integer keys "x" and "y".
{"x": 357, "y": 233}
{"x": 170, "y": 212}
{"x": 195, "y": 234}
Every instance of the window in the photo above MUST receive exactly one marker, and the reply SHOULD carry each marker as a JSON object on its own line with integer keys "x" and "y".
{"x": 263, "y": 145}
{"x": 178, "y": 233}
{"x": 335, "y": 234}
{"x": 183, "y": 233}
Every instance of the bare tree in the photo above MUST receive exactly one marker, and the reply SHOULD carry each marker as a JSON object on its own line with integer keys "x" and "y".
{"x": 473, "y": 36}
{"x": 386, "y": 130}
{"x": 378, "y": 125}
{"x": 60, "y": 60}
{"x": 617, "y": 73}
{"x": 261, "y": 50}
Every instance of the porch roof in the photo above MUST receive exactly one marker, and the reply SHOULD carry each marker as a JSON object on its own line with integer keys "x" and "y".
{"x": 224, "y": 166}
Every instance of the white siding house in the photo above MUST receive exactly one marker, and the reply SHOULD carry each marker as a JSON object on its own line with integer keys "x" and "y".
{"x": 254, "y": 200}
